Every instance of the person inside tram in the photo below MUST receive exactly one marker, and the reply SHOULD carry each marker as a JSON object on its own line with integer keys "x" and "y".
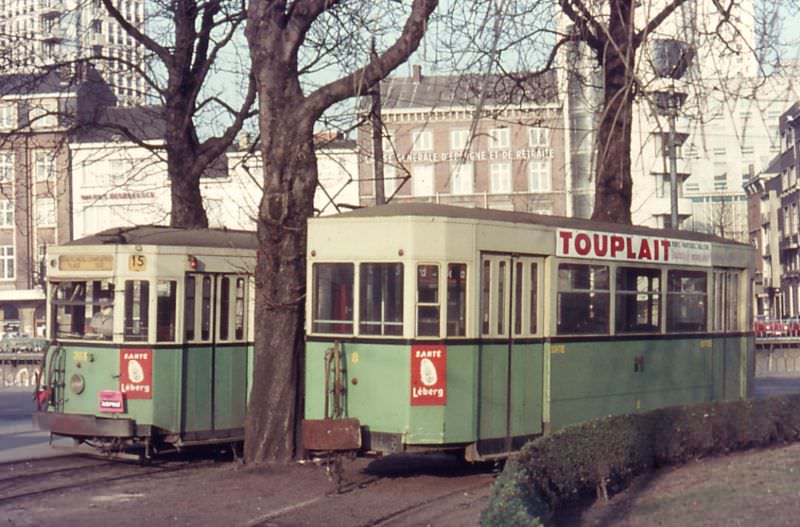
{"x": 102, "y": 323}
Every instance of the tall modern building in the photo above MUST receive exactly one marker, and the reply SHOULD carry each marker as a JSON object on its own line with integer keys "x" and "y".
{"x": 38, "y": 33}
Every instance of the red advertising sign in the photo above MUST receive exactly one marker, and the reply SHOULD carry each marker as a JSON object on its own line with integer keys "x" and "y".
{"x": 428, "y": 375}
{"x": 630, "y": 247}
{"x": 136, "y": 373}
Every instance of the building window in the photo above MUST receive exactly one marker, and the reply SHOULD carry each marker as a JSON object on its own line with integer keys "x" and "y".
{"x": 6, "y": 166}
{"x": 459, "y": 140}
{"x": 44, "y": 166}
{"x": 462, "y": 178}
{"x": 43, "y": 114}
{"x": 499, "y": 138}
{"x": 539, "y": 175}
{"x": 423, "y": 140}
{"x": 538, "y": 137}
{"x": 120, "y": 172}
{"x": 45, "y": 212}
{"x": 500, "y": 178}
{"x": 6, "y": 262}
{"x": 6, "y": 213}
{"x": 422, "y": 182}
{"x": 8, "y": 116}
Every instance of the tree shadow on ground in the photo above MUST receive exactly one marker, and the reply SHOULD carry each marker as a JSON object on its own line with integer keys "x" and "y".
{"x": 412, "y": 465}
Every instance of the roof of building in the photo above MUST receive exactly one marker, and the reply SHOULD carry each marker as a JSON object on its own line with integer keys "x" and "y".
{"x": 52, "y": 80}
{"x": 118, "y": 123}
{"x": 449, "y": 211}
{"x": 468, "y": 90}
{"x": 173, "y": 236}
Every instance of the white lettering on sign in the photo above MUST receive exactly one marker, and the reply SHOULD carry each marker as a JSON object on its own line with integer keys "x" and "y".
{"x": 422, "y": 391}
{"x": 630, "y": 248}
{"x": 492, "y": 155}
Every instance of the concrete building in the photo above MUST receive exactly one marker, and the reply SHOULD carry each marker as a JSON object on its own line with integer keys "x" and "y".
{"x": 37, "y": 116}
{"x": 470, "y": 140}
{"x": 40, "y": 33}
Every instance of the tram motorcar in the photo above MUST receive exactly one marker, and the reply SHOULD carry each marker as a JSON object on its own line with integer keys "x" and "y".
{"x": 151, "y": 338}
{"x": 434, "y": 328}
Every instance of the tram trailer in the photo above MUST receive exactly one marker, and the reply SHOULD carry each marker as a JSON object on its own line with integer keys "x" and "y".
{"x": 443, "y": 328}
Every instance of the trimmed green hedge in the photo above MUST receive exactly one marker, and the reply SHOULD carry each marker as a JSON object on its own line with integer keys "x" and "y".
{"x": 585, "y": 457}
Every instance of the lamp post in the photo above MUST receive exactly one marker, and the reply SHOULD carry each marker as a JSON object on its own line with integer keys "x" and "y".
{"x": 671, "y": 58}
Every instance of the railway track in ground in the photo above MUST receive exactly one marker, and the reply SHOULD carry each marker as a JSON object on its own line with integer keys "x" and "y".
{"x": 20, "y": 480}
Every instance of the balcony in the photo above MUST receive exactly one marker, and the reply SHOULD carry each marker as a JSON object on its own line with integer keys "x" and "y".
{"x": 50, "y": 8}
{"x": 53, "y": 34}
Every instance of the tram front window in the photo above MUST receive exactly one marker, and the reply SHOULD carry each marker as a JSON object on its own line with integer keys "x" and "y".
{"x": 686, "y": 306}
{"x": 638, "y": 300}
{"x": 381, "y": 299}
{"x": 332, "y": 310}
{"x": 83, "y": 310}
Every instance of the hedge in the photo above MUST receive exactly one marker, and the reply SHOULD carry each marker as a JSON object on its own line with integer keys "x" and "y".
{"x": 556, "y": 468}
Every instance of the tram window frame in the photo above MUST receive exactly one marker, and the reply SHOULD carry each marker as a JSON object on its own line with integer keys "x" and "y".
{"x": 166, "y": 310}
{"x": 333, "y": 285}
{"x": 428, "y": 307}
{"x": 573, "y": 322}
{"x": 224, "y": 305}
{"x": 136, "y": 329}
{"x": 189, "y": 305}
{"x": 89, "y": 310}
{"x": 678, "y": 294}
{"x": 629, "y": 320}
{"x": 457, "y": 299}
{"x": 240, "y": 307}
{"x": 727, "y": 300}
{"x": 206, "y": 301}
{"x": 387, "y": 297}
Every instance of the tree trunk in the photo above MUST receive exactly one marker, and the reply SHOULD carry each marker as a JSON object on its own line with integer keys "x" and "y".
{"x": 613, "y": 185}
{"x": 187, "y": 202}
{"x": 290, "y": 175}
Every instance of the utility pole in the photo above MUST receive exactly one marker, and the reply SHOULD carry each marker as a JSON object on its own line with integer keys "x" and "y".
{"x": 377, "y": 136}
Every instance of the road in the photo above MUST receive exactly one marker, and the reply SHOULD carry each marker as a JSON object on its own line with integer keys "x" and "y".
{"x": 18, "y": 438}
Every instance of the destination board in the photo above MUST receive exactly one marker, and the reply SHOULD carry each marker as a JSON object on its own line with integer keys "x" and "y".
{"x": 86, "y": 262}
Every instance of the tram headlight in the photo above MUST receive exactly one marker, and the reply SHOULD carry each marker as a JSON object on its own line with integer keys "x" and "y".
{"x": 77, "y": 384}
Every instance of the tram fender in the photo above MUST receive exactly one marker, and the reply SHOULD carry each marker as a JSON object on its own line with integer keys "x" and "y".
{"x": 331, "y": 434}
{"x": 83, "y": 425}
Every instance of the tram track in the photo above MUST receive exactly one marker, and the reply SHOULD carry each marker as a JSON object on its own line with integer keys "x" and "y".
{"x": 85, "y": 472}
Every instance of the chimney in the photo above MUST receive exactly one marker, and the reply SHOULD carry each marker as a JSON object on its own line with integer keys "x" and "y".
{"x": 416, "y": 74}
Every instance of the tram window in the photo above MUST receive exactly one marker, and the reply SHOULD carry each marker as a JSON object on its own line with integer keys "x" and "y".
{"x": 456, "y": 300}
{"x": 332, "y": 309}
{"x": 486, "y": 280}
{"x": 381, "y": 299}
{"x": 205, "y": 309}
{"x": 638, "y": 300}
{"x": 238, "y": 322}
{"x": 518, "y": 298}
{"x": 428, "y": 300}
{"x": 188, "y": 308}
{"x": 501, "y": 295}
{"x": 165, "y": 310}
{"x": 137, "y": 300}
{"x": 224, "y": 307}
{"x": 726, "y": 301}
{"x": 686, "y": 301}
{"x": 84, "y": 309}
{"x": 583, "y": 299}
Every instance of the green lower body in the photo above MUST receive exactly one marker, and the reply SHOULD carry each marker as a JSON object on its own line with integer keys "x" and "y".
{"x": 499, "y": 396}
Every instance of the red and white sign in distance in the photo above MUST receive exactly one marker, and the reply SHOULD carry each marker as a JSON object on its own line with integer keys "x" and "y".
{"x": 574, "y": 243}
{"x": 136, "y": 373}
{"x": 428, "y": 375}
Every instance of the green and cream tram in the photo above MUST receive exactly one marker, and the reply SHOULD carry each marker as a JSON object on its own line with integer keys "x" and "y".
{"x": 443, "y": 328}
{"x": 151, "y": 338}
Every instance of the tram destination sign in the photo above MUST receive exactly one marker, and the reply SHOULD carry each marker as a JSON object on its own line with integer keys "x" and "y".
{"x": 85, "y": 262}
{"x": 575, "y": 243}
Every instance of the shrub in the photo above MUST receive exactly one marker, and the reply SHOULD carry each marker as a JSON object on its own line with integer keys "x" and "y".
{"x": 611, "y": 450}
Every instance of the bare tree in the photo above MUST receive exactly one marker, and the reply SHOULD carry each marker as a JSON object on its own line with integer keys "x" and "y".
{"x": 278, "y": 33}
{"x": 188, "y": 56}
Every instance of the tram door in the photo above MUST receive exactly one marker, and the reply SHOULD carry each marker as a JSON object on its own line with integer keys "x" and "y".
{"x": 511, "y": 355}
{"x": 215, "y": 356}
{"x": 728, "y": 318}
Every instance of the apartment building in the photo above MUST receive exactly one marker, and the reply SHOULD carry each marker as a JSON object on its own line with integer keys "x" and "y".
{"x": 470, "y": 140}
{"x": 39, "y": 33}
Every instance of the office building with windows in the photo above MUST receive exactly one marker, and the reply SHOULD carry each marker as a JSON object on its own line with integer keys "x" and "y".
{"x": 470, "y": 140}
{"x": 35, "y": 34}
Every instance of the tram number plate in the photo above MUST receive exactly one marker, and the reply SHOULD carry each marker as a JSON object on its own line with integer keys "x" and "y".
{"x": 137, "y": 263}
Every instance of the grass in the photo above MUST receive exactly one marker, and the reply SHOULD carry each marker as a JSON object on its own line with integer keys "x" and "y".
{"x": 755, "y": 488}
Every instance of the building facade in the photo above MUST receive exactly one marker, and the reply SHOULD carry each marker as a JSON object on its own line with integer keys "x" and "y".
{"x": 36, "y": 120}
{"x": 39, "y": 33}
{"x": 476, "y": 141}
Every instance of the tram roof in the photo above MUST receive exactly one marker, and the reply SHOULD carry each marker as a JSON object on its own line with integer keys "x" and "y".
{"x": 160, "y": 235}
{"x": 451, "y": 211}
